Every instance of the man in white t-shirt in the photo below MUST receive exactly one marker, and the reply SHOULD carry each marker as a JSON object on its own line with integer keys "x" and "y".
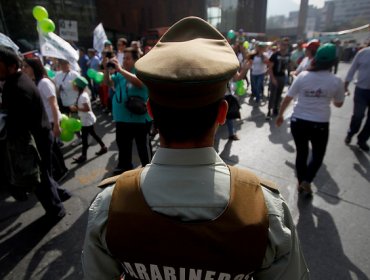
{"x": 63, "y": 81}
{"x": 68, "y": 96}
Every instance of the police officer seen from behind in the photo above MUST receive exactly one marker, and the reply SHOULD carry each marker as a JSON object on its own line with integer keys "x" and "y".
{"x": 187, "y": 214}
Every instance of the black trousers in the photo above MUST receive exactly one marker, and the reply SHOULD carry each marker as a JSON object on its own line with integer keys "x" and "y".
{"x": 58, "y": 164}
{"x": 275, "y": 94}
{"x": 125, "y": 134}
{"x": 305, "y": 132}
{"x": 85, "y": 131}
{"x": 49, "y": 192}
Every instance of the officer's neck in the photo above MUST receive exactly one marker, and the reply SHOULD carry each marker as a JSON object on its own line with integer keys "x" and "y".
{"x": 207, "y": 141}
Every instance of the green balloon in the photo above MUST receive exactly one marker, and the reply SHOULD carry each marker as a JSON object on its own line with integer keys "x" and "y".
{"x": 246, "y": 45}
{"x": 99, "y": 77}
{"x": 240, "y": 90}
{"x": 231, "y": 34}
{"x": 73, "y": 125}
{"x": 77, "y": 125}
{"x": 91, "y": 73}
{"x": 66, "y": 135}
{"x": 64, "y": 117}
{"x": 47, "y": 25}
{"x": 50, "y": 73}
{"x": 64, "y": 122}
{"x": 39, "y": 13}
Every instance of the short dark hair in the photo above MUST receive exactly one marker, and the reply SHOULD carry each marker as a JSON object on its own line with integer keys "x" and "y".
{"x": 184, "y": 124}
{"x": 9, "y": 57}
{"x": 315, "y": 66}
{"x": 122, "y": 40}
{"x": 134, "y": 53}
{"x": 37, "y": 67}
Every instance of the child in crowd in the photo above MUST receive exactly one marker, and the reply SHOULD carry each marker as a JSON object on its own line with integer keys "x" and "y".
{"x": 87, "y": 118}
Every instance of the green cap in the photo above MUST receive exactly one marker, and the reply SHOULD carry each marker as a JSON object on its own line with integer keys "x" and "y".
{"x": 326, "y": 53}
{"x": 189, "y": 66}
{"x": 80, "y": 82}
{"x": 107, "y": 42}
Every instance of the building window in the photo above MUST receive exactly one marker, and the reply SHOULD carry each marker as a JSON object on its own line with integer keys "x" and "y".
{"x": 214, "y": 16}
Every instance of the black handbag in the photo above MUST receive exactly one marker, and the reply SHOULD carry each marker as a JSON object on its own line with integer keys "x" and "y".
{"x": 234, "y": 107}
{"x": 135, "y": 104}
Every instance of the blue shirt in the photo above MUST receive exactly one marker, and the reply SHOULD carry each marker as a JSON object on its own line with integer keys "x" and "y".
{"x": 94, "y": 63}
{"x": 82, "y": 62}
{"x": 119, "y": 97}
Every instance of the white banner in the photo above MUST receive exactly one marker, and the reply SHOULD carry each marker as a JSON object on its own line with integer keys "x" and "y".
{"x": 53, "y": 46}
{"x": 99, "y": 38}
{"x": 7, "y": 42}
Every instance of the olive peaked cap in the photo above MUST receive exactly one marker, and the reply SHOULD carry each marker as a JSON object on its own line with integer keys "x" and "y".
{"x": 189, "y": 66}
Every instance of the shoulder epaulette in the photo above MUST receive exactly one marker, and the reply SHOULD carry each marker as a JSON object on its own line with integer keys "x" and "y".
{"x": 269, "y": 185}
{"x": 108, "y": 181}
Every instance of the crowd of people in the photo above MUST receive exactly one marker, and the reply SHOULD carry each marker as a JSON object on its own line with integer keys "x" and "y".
{"x": 183, "y": 88}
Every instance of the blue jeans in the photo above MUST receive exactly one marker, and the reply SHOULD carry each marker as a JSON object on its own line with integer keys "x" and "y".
{"x": 230, "y": 127}
{"x": 257, "y": 85}
{"x": 361, "y": 103}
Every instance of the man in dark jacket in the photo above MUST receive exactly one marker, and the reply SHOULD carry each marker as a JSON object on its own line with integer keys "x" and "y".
{"x": 26, "y": 115}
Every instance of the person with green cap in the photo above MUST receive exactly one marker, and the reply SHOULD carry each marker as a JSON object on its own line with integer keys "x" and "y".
{"x": 188, "y": 215}
{"x": 87, "y": 117}
{"x": 313, "y": 91}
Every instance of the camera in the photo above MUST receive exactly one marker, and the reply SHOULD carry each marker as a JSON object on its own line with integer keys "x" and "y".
{"x": 109, "y": 54}
{"x": 111, "y": 65}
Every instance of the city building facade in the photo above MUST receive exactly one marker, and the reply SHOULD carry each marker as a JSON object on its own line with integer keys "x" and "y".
{"x": 76, "y": 20}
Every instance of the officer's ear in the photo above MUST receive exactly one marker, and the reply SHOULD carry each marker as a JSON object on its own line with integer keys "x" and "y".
{"x": 149, "y": 109}
{"x": 222, "y": 112}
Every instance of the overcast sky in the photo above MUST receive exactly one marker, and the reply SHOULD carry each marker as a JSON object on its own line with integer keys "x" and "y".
{"x": 283, "y": 7}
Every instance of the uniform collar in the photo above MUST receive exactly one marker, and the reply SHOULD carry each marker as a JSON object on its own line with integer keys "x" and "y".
{"x": 199, "y": 156}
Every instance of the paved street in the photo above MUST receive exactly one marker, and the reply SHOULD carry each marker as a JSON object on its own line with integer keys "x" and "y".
{"x": 334, "y": 226}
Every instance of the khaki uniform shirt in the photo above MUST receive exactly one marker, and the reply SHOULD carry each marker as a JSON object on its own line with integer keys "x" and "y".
{"x": 196, "y": 187}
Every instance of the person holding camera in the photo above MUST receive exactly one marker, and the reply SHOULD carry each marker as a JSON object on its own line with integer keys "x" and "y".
{"x": 129, "y": 125}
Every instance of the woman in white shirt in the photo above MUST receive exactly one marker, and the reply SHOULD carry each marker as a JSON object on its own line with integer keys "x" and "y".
{"x": 313, "y": 91}
{"x": 258, "y": 63}
{"x": 35, "y": 70}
